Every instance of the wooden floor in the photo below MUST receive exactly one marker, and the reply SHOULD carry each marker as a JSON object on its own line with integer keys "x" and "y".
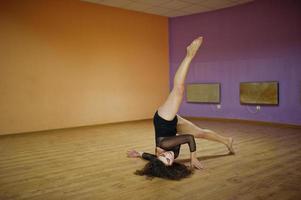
{"x": 90, "y": 163}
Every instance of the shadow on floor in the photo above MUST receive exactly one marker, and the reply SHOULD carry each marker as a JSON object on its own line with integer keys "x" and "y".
{"x": 201, "y": 158}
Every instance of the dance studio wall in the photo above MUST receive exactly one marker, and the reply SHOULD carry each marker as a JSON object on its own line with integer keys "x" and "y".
{"x": 257, "y": 41}
{"x": 67, "y": 63}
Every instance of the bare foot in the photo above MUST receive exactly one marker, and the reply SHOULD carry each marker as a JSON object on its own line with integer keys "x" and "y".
{"x": 194, "y": 46}
{"x": 230, "y": 146}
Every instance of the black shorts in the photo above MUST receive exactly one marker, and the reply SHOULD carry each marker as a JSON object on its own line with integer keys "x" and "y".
{"x": 163, "y": 127}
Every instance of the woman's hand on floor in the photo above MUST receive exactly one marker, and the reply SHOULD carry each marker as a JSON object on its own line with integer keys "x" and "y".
{"x": 195, "y": 163}
{"x": 133, "y": 154}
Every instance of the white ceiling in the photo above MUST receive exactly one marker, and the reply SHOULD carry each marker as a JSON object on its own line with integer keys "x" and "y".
{"x": 170, "y": 8}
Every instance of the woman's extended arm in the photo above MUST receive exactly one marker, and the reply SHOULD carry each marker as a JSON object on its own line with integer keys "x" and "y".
{"x": 135, "y": 154}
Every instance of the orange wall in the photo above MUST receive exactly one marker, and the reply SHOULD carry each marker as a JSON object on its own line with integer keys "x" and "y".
{"x": 66, "y": 63}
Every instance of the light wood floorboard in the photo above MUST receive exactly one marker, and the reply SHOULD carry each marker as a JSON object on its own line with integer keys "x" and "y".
{"x": 90, "y": 163}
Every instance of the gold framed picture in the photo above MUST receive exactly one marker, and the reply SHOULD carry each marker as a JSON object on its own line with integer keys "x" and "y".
{"x": 259, "y": 93}
{"x": 203, "y": 93}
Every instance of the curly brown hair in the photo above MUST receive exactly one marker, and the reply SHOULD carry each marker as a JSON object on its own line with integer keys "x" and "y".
{"x": 156, "y": 168}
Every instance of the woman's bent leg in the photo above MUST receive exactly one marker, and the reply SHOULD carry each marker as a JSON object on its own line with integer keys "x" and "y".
{"x": 186, "y": 127}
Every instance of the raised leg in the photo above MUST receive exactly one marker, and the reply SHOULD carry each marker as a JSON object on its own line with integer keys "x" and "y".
{"x": 171, "y": 106}
{"x": 186, "y": 127}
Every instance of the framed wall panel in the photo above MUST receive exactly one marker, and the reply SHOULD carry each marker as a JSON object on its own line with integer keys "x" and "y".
{"x": 259, "y": 93}
{"x": 203, "y": 93}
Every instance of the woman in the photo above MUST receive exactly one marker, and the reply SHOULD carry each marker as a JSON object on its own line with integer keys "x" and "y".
{"x": 162, "y": 164}
{"x": 171, "y": 130}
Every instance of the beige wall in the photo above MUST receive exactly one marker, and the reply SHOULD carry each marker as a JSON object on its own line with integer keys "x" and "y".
{"x": 66, "y": 63}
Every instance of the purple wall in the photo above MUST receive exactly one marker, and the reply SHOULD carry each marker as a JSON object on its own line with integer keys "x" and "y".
{"x": 257, "y": 41}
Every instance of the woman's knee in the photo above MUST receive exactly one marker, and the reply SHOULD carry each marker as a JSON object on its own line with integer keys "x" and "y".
{"x": 179, "y": 89}
{"x": 201, "y": 134}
